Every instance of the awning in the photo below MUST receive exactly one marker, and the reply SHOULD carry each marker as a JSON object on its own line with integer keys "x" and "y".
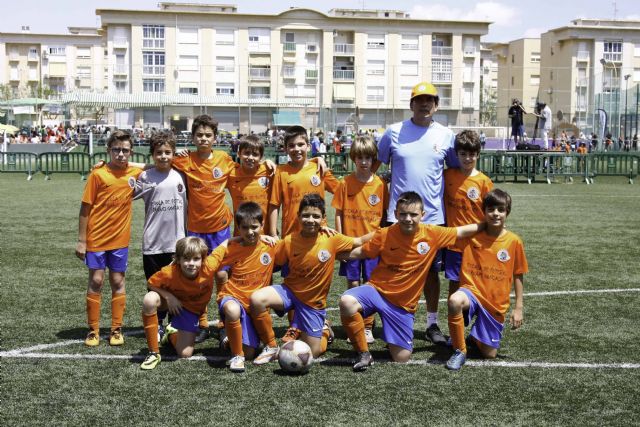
{"x": 286, "y": 118}
{"x": 344, "y": 91}
{"x": 260, "y": 60}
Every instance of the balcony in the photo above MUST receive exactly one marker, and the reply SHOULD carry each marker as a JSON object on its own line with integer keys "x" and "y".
{"x": 14, "y": 75}
{"x": 120, "y": 43}
{"x": 469, "y": 51}
{"x": 582, "y": 56}
{"x": 613, "y": 56}
{"x": 259, "y": 95}
{"x": 14, "y": 56}
{"x": 311, "y": 74}
{"x": 153, "y": 43}
{"x": 33, "y": 77}
{"x": 289, "y": 48}
{"x": 583, "y": 82}
{"x": 375, "y": 72}
{"x": 343, "y": 75}
{"x": 444, "y": 103}
{"x": 581, "y": 108}
{"x": 343, "y": 49}
{"x": 288, "y": 73}
{"x": 375, "y": 98}
{"x": 439, "y": 77}
{"x": 257, "y": 47}
{"x": 33, "y": 57}
{"x": 468, "y": 77}
{"x": 260, "y": 73}
{"x": 312, "y": 48}
{"x": 120, "y": 70}
{"x": 153, "y": 70}
{"x": 441, "y": 51}
{"x": 409, "y": 46}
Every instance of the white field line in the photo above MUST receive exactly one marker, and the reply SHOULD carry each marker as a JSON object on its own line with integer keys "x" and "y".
{"x": 336, "y": 361}
{"x": 566, "y": 196}
{"x": 41, "y": 347}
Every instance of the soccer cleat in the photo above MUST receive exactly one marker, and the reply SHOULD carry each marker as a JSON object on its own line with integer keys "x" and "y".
{"x": 292, "y": 334}
{"x": 151, "y": 361}
{"x": 268, "y": 354}
{"x": 116, "y": 337}
{"x": 435, "y": 335}
{"x": 203, "y": 334}
{"x": 224, "y": 340}
{"x": 456, "y": 361}
{"x": 364, "y": 361}
{"x": 237, "y": 364}
{"x": 327, "y": 327}
{"x": 168, "y": 331}
{"x": 368, "y": 333}
{"x": 92, "y": 339}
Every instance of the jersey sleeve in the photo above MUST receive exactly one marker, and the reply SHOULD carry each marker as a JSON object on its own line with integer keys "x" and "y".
{"x": 91, "y": 189}
{"x": 280, "y": 252}
{"x": 451, "y": 158}
{"x": 160, "y": 279}
{"x": 373, "y": 247}
{"x": 181, "y": 163}
{"x": 445, "y": 236}
{"x": 331, "y": 182}
{"x": 342, "y": 243}
{"x": 339, "y": 196}
{"x": 142, "y": 187}
{"x": 276, "y": 190}
{"x": 384, "y": 147}
{"x": 520, "y": 265}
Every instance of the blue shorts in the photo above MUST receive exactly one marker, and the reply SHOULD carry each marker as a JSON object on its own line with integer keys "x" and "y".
{"x": 358, "y": 268}
{"x": 452, "y": 263}
{"x": 486, "y": 328}
{"x": 397, "y": 323}
{"x": 116, "y": 260}
{"x": 213, "y": 240}
{"x": 249, "y": 334}
{"x": 186, "y": 321}
{"x": 308, "y": 319}
{"x": 437, "y": 264}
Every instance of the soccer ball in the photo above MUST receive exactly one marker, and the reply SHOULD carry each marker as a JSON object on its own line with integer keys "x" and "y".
{"x": 295, "y": 357}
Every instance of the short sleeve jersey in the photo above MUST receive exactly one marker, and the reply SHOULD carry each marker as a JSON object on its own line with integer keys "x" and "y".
{"x": 488, "y": 267}
{"x": 206, "y": 181}
{"x": 463, "y": 198}
{"x": 290, "y": 185}
{"x": 362, "y": 204}
{"x": 405, "y": 261}
{"x": 193, "y": 294}
{"x": 165, "y": 201}
{"x": 417, "y": 155}
{"x": 250, "y": 188}
{"x": 251, "y": 269}
{"x": 311, "y": 262}
{"x": 110, "y": 193}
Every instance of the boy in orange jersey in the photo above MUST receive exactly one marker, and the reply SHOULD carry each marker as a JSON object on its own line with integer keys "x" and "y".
{"x": 104, "y": 231}
{"x": 464, "y": 190}
{"x": 184, "y": 289}
{"x": 492, "y": 263}
{"x": 291, "y": 183}
{"x": 361, "y": 203}
{"x": 407, "y": 250}
{"x": 251, "y": 262}
{"x": 311, "y": 257}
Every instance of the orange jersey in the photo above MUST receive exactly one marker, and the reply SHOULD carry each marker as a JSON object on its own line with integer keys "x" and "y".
{"x": 405, "y": 261}
{"x": 193, "y": 294}
{"x": 251, "y": 269}
{"x": 362, "y": 204}
{"x": 289, "y": 187}
{"x": 109, "y": 192}
{"x": 250, "y": 188}
{"x": 463, "y": 198}
{"x": 311, "y": 261}
{"x": 487, "y": 269}
{"x": 206, "y": 181}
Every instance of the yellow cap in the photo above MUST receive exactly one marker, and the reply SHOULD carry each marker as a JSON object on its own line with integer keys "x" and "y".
{"x": 424, "y": 88}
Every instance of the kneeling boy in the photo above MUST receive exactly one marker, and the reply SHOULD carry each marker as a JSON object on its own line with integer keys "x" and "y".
{"x": 492, "y": 262}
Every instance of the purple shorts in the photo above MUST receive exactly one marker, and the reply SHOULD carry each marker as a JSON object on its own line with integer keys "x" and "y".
{"x": 452, "y": 263}
{"x": 358, "y": 269}
{"x": 397, "y": 323}
{"x": 486, "y": 328}
{"x": 249, "y": 334}
{"x": 116, "y": 260}
{"x": 186, "y": 321}
{"x": 308, "y": 319}
{"x": 213, "y": 240}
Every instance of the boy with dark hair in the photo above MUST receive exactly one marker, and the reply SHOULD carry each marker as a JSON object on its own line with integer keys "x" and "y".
{"x": 493, "y": 262}
{"x": 104, "y": 231}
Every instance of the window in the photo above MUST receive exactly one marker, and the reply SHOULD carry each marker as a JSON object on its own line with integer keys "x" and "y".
{"x": 225, "y": 63}
{"x": 467, "y": 97}
{"x": 375, "y": 67}
{"x": 188, "y": 35}
{"x": 83, "y": 52}
{"x": 289, "y": 37}
{"x": 153, "y": 85}
{"x": 225, "y": 37}
{"x": 153, "y": 63}
{"x": 513, "y": 59}
{"x": 153, "y": 36}
{"x": 259, "y": 92}
{"x": 535, "y": 57}
{"x": 120, "y": 86}
{"x": 613, "y": 51}
{"x": 409, "y": 68}
{"x": 405, "y": 93}
{"x": 33, "y": 72}
{"x": 225, "y": 89}
{"x": 84, "y": 72}
{"x": 57, "y": 50}
{"x": 512, "y": 80}
{"x": 375, "y": 41}
{"x": 188, "y": 88}
{"x": 441, "y": 70}
{"x": 259, "y": 40}
{"x": 33, "y": 53}
{"x": 534, "y": 80}
{"x": 636, "y": 50}
{"x": 375, "y": 93}
{"x": 409, "y": 42}
{"x": 254, "y": 39}
{"x": 636, "y": 74}
{"x": 188, "y": 63}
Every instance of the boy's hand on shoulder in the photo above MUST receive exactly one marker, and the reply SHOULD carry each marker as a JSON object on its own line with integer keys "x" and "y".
{"x": 517, "y": 318}
{"x": 269, "y": 240}
{"x": 182, "y": 153}
{"x": 328, "y": 231}
{"x": 81, "y": 250}
{"x": 271, "y": 167}
{"x": 98, "y": 165}
{"x": 322, "y": 166}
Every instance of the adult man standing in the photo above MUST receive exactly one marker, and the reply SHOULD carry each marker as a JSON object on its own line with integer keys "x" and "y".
{"x": 417, "y": 149}
{"x": 545, "y": 122}
{"x": 517, "y": 121}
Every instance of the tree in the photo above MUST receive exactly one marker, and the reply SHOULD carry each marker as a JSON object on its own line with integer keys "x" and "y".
{"x": 488, "y": 107}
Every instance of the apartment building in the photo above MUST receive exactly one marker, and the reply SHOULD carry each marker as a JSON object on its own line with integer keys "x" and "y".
{"x": 589, "y": 65}
{"x": 345, "y": 66}
{"x": 488, "y": 85}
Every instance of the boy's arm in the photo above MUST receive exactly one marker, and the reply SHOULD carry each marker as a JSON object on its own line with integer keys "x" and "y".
{"x": 355, "y": 253}
{"x": 272, "y": 216}
{"x": 359, "y": 241}
{"x": 338, "y": 219}
{"x": 517, "y": 315}
{"x": 469, "y": 230}
{"x": 83, "y": 220}
{"x": 173, "y": 304}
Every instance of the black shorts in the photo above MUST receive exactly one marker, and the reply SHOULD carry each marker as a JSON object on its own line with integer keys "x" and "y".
{"x": 153, "y": 263}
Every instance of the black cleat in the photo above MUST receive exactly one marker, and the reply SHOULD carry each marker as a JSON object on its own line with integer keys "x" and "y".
{"x": 435, "y": 335}
{"x": 364, "y": 361}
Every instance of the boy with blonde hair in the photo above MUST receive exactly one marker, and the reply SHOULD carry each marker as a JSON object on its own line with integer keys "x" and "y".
{"x": 493, "y": 262}
{"x": 361, "y": 203}
{"x": 104, "y": 231}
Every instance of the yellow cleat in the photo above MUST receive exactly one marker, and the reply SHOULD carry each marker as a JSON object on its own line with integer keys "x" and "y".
{"x": 92, "y": 339}
{"x": 151, "y": 361}
{"x": 116, "y": 337}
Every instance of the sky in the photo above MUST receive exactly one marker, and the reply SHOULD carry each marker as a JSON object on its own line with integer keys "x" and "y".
{"x": 511, "y": 19}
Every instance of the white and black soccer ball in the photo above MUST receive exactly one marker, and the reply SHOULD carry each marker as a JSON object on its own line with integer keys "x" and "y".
{"x": 295, "y": 357}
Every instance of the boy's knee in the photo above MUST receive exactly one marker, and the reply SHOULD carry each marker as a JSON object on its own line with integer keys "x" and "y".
{"x": 258, "y": 300}
{"x": 455, "y": 302}
{"x": 150, "y": 302}
{"x": 348, "y": 305}
{"x": 231, "y": 310}
{"x": 185, "y": 353}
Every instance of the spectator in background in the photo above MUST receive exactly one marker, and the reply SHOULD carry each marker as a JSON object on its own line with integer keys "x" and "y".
{"x": 594, "y": 142}
{"x": 483, "y": 140}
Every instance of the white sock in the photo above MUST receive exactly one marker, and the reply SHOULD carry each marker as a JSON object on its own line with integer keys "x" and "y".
{"x": 432, "y": 319}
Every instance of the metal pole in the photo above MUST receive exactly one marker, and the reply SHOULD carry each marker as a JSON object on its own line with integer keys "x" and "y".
{"x": 626, "y": 96}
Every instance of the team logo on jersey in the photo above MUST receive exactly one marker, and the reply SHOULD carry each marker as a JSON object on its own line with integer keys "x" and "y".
{"x": 503, "y": 255}
{"x": 265, "y": 259}
{"x": 374, "y": 199}
{"x": 263, "y": 182}
{"x": 473, "y": 193}
{"x": 217, "y": 173}
{"x": 324, "y": 255}
{"x": 315, "y": 180}
{"x": 132, "y": 182}
{"x": 423, "y": 248}
{"x": 180, "y": 188}
{"x": 437, "y": 147}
